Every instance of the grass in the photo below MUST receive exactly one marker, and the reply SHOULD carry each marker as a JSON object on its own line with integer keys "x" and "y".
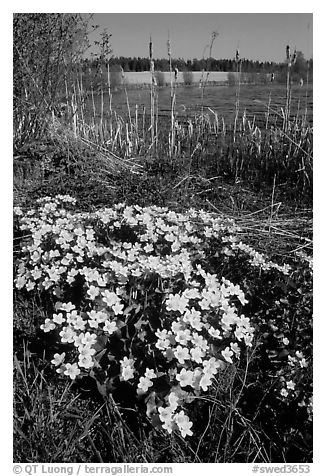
{"x": 260, "y": 175}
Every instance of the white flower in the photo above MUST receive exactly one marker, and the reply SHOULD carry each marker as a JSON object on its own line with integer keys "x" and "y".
{"x": 184, "y": 424}
{"x": 85, "y": 361}
{"x": 127, "y": 373}
{"x": 110, "y": 298}
{"x": 175, "y": 302}
{"x": 86, "y": 350}
{"x": 110, "y": 327}
{"x": 48, "y": 325}
{"x": 93, "y": 291}
{"x": 58, "y": 359}
{"x": 162, "y": 344}
{"x": 290, "y": 385}
{"x": 20, "y": 282}
{"x": 89, "y": 338}
{"x": 72, "y": 371}
{"x": 148, "y": 248}
{"x": 125, "y": 362}
{"x": 117, "y": 308}
{"x": 67, "y": 334}
{"x": 144, "y": 384}
{"x": 185, "y": 377}
{"x": 79, "y": 324}
{"x": 183, "y": 336}
{"x": 205, "y": 382}
{"x": 199, "y": 341}
{"x": 197, "y": 354}
{"x": 182, "y": 354}
{"x": 166, "y": 415}
{"x": 30, "y": 285}
{"x": 212, "y": 365}
{"x": 66, "y": 307}
{"x": 150, "y": 373}
{"x": 194, "y": 318}
{"x": 78, "y": 339}
{"x": 58, "y": 318}
{"x": 72, "y": 317}
{"x": 235, "y": 348}
{"x": 214, "y": 333}
{"x": 227, "y": 354}
{"x": 191, "y": 293}
{"x": 173, "y": 400}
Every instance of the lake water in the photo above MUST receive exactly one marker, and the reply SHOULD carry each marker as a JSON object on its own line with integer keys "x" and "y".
{"x": 221, "y": 99}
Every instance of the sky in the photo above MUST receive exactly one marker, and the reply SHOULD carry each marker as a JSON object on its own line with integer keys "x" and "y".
{"x": 259, "y": 36}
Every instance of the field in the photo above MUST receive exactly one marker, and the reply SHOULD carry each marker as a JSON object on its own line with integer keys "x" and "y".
{"x": 145, "y": 77}
{"x": 163, "y": 273}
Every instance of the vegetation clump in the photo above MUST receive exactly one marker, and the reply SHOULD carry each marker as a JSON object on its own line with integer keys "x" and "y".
{"x": 154, "y": 302}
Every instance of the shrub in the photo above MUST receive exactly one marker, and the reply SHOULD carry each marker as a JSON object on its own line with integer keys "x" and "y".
{"x": 47, "y": 50}
{"x": 232, "y": 79}
{"x": 188, "y": 78}
{"x": 115, "y": 76}
{"x": 160, "y": 78}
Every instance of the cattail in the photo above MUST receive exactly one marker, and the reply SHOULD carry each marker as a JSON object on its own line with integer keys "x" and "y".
{"x": 288, "y": 52}
{"x": 214, "y": 35}
{"x": 150, "y": 48}
{"x": 152, "y": 68}
{"x": 237, "y": 56}
{"x": 169, "y": 47}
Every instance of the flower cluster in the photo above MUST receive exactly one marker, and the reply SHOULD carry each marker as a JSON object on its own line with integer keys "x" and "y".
{"x": 258, "y": 259}
{"x": 133, "y": 298}
{"x": 294, "y": 378}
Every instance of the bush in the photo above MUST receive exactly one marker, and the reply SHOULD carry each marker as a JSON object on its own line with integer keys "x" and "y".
{"x": 160, "y": 78}
{"x": 115, "y": 76}
{"x": 47, "y": 49}
{"x": 188, "y": 78}
{"x": 232, "y": 79}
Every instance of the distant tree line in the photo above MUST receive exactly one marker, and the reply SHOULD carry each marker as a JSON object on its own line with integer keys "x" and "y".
{"x": 138, "y": 64}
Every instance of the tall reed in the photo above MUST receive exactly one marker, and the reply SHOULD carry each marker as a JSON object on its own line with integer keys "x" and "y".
{"x": 290, "y": 60}
{"x": 237, "y": 91}
{"x": 153, "y": 83}
{"x": 110, "y": 100}
{"x": 203, "y": 81}
{"x": 173, "y": 100}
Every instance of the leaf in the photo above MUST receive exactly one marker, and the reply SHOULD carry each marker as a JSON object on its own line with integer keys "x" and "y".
{"x": 101, "y": 388}
{"x": 140, "y": 323}
{"x": 151, "y": 404}
{"x": 100, "y": 355}
{"x": 101, "y": 342}
{"x": 161, "y": 385}
{"x": 142, "y": 336}
{"x": 106, "y": 387}
{"x": 155, "y": 420}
